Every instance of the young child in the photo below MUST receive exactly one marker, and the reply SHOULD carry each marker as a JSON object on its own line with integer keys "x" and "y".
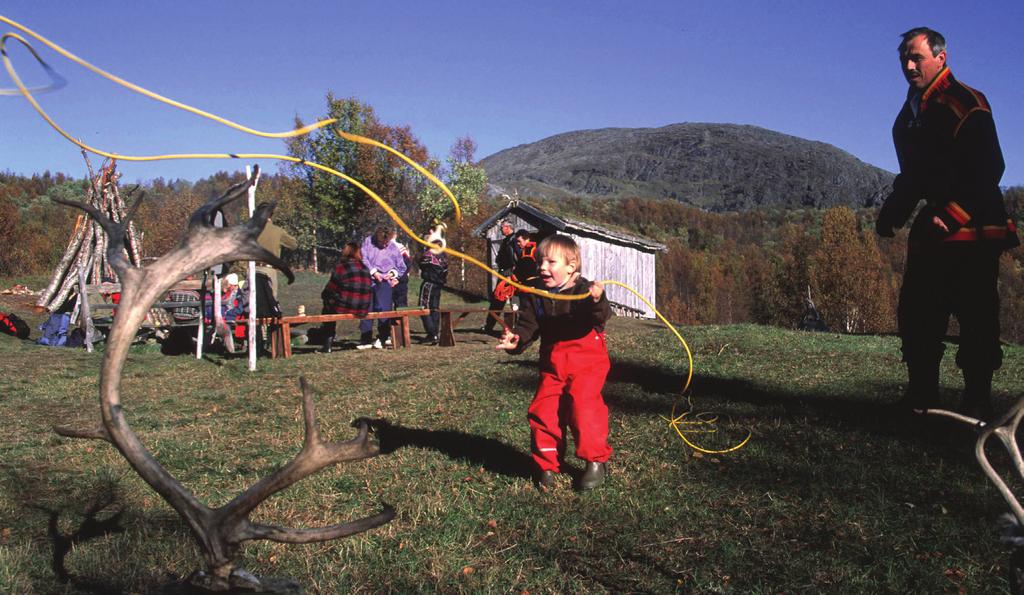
{"x": 573, "y": 364}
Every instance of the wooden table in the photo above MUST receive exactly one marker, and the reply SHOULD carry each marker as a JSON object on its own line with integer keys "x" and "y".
{"x": 280, "y": 328}
{"x": 448, "y": 322}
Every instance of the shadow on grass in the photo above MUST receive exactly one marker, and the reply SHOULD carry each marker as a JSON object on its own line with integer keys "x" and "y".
{"x": 871, "y": 407}
{"x": 101, "y": 517}
{"x": 493, "y": 455}
{"x": 91, "y": 527}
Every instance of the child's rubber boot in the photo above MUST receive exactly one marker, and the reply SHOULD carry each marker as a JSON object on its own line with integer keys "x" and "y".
{"x": 546, "y": 481}
{"x": 594, "y": 475}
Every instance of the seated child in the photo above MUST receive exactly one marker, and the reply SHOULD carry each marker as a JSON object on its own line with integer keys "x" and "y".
{"x": 573, "y": 364}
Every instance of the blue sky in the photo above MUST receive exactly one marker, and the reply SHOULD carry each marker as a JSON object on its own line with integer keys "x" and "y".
{"x": 504, "y": 73}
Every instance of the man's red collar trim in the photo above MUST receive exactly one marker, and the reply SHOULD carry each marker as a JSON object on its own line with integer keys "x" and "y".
{"x": 941, "y": 83}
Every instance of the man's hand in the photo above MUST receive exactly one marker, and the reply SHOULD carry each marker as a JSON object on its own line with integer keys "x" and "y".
{"x": 940, "y": 224}
{"x": 509, "y": 340}
{"x": 378, "y": 277}
{"x": 596, "y": 290}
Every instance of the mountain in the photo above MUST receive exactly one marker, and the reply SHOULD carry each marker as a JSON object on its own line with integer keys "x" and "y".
{"x": 717, "y": 167}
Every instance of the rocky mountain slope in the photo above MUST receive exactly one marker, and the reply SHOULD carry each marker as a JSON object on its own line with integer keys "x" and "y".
{"x": 718, "y": 167}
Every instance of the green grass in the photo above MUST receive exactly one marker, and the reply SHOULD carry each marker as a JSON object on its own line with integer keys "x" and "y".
{"x": 834, "y": 492}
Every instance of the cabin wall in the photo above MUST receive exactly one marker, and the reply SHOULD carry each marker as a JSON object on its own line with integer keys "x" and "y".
{"x": 604, "y": 261}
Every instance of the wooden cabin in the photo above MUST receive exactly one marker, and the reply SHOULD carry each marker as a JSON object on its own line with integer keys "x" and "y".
{"x": 606, "y": 254}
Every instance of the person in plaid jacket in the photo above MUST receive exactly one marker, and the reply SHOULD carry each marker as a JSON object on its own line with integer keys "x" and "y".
{"x": 347, "y": 292}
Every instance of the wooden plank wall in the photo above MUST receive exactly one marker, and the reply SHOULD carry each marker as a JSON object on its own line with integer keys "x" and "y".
{"x": 603, "y": 261}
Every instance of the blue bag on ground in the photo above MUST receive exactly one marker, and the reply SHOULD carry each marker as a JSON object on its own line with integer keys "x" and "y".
{"x": 55, "y": 330}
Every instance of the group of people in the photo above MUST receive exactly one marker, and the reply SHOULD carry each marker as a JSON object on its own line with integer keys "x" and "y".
{"x": 374, "y": 277}
{"x": 516, "y": 259}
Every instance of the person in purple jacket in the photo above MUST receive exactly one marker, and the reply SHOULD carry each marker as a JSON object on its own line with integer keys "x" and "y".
{"x": 387, "y": 266}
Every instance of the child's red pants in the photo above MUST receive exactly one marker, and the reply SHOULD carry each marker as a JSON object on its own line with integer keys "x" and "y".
{"x": 572, "y": 374}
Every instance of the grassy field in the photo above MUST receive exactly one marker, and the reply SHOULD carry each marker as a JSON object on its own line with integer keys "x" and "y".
{"x": 835, "y": 492}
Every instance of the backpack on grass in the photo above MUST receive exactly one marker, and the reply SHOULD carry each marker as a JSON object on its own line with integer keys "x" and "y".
{"x": 12, "y": 324}
{"x": 55, "y": 330}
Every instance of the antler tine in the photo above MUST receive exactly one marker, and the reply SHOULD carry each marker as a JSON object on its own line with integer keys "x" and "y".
{"x": 286, "y": 535}
{"x": 135, "y": 204}
{"x": 1006, "y": 431}
{"x": 1005, "y": 428}
{"x": 114, "y": 230}
{"x": 96, "y": 432}
{"x": 315, "y": 455}
{"x": 204, "y": 214}
{"x": 309, "y": 415}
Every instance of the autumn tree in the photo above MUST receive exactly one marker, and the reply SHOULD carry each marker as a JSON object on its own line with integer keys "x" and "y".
{"x": 468, "y": 182}
{"x": 847, "y": 276}
{"x": 336, "y": 211}
{"x": 464, "y": 178}
{"x": 33, "y": 230}
{"x": 778, "y": 298}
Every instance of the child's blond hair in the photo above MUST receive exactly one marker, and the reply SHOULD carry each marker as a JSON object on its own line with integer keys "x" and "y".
{"x": 564, "y": 246}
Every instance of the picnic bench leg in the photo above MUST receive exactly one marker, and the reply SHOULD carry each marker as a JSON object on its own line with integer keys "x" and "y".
{"x": 406, "y": 339}
{"x": 285, "y": 334}
{"x": 275, "y": 341}
{"x": 447, "y": 338}
{"x": 396, "y": 333}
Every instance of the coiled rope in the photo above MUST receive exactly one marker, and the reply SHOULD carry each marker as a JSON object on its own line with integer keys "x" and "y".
{"x": 700, "y": 423}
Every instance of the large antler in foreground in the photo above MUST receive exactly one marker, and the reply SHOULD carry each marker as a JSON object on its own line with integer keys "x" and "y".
{"x": 218, "y": 531}
{"x": 1004, "y": 428}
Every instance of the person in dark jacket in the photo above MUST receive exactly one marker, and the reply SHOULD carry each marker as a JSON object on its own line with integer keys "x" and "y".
{"x": 347, "y": 292}
{"x": 434, "y": 273}
{"x": 573, "y": 364}
{"x": 400, "y": 293}
{"x": 504, "y": 262}
{"x": 949, "y": 158}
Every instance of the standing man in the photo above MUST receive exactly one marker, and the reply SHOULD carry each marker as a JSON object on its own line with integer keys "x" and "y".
{"x": 949, "y": 158}
{"x": 504, "y": 261}
{"x": 273, "y": 238}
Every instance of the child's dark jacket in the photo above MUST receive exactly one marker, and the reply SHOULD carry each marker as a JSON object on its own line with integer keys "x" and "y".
{"x": 559, "y": 320}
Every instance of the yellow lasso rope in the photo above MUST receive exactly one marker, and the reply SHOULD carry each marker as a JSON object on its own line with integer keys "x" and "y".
{"x": 674, "y": 422}
{"x": 702, "y": 423}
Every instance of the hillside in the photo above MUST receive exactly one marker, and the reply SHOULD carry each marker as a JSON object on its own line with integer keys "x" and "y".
{"x": 718, "y": 167}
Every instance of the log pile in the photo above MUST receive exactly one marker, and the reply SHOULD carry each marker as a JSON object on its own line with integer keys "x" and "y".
{"x": 87, "y": 248}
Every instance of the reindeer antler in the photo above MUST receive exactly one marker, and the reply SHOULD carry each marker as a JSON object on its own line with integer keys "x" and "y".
{"x": 1004, "y": 428}
{"x": 217, "y": 531}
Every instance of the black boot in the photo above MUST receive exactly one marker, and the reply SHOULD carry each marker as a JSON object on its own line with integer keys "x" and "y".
{"x": 923, "y": 386}
{"x": 594, "y": 475}
{"x": 328, "y": 344}
{"x": 977, "y": 399}
{"x": 545, "y": 481}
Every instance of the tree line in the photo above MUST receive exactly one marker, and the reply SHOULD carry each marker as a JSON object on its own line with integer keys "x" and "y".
{"x": 759, "y": 266}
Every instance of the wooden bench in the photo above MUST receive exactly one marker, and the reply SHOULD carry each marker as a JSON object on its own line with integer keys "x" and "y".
{"x": 449, "y": 323}
{"x": 280, "y": 328}
{"x": 166, "y": 313}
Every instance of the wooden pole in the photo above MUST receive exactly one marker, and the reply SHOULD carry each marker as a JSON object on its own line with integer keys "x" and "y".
{"x": 251, "y": 288}
{"x": 84, "y": 310}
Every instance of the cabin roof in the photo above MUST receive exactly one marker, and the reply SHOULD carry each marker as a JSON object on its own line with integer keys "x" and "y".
{"x": 542, "y": 220}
